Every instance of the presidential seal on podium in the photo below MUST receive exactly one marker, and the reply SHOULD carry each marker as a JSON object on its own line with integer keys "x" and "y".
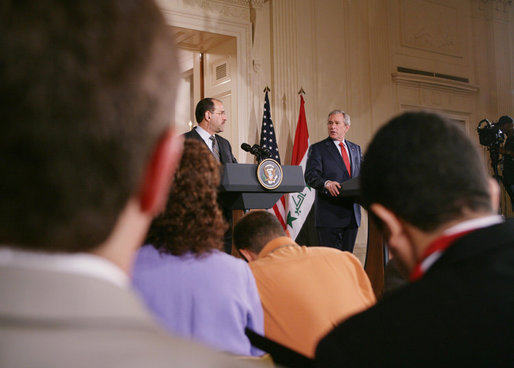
{"x": 269, "y": 174}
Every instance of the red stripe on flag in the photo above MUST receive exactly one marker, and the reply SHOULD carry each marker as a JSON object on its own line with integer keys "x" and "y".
{"x": 301, "y": 137}
{"x": 280, "y": 214}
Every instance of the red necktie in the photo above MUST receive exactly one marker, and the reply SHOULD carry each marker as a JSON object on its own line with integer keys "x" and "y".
{"x": 346, "y": 160}
{"x": 437, "y": 247}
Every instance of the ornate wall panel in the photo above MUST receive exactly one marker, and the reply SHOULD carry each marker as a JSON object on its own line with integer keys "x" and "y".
{"x": 432, "y": 36}
{"x": 432, "y": 27}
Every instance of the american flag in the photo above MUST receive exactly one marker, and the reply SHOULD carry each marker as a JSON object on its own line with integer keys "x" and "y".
{"x": 269, "y": 141}
{"x": 268, "y": 138}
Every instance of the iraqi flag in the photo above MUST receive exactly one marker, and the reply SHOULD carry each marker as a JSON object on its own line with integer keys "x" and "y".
{"x": 299, "y": 204}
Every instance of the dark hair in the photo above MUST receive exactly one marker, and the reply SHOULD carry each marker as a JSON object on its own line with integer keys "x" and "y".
{"x": 425, "y": 169}
{"x": 255, "y": 229}
{"x": 86, "y": 89}
{"x": 504, "y": 120}
{"x": 192, "y": 220}
{"x": 207, "y": 104}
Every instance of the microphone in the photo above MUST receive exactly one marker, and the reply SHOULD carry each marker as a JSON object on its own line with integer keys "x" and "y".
{"x": 265, "y": 153}
{"x": 255, "y": 150}
{"x": 259, "y": 152}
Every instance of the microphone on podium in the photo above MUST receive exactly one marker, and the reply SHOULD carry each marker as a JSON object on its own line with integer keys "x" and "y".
{"x": 256, "y": 150}
{"x": 253, "y": 150}
{"x": 259, "y": 152}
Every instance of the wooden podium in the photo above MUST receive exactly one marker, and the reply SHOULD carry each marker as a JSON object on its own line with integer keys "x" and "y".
{"x": 376, "y": 248}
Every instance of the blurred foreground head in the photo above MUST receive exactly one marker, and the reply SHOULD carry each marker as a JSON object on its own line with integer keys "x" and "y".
{"x": 425, "y": 169}
{"x": 420, "y": 175}
{"x": 87, "y": 91}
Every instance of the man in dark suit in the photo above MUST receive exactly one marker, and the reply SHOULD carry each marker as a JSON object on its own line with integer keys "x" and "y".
{"x": 330, "y": 163}
{"x": 427, "y": 185}
{"x": 211, "y": 118}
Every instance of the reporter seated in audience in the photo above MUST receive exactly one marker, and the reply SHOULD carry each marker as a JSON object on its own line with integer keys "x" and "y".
{"x": 305, "y": 291}
{"x": 87, "y": 91}
{"x": 437, "y": 205}
{"x": 197, "y": 291}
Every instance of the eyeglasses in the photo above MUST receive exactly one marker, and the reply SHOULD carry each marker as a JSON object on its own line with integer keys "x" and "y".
{"x": 220, "y": 113}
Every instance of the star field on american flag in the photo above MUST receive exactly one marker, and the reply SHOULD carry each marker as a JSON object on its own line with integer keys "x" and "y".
{"x": 268, "y": 138}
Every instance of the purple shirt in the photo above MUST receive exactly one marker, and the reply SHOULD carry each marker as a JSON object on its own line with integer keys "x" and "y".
{"x": 210, "y": 299}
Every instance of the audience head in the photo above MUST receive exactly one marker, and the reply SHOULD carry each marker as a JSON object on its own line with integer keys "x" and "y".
{"x": 422, "y": 170}
{"x": 87, "y": 90}
{"x": 192, "y": 220}
{"x": 254, "y": 230}
{"x": 506, "y": 124}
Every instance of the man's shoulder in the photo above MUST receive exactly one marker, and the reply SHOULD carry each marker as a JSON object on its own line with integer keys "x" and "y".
{"x": 350, "y": 143}
{"x": 221, "y": 139}
{"x": 322, "y": 142}
{"x": 321, "y": 145}
{"x": 334, "y": 255}
{"x": 307, "y": 252}
{"x": 192, "y": 134}
{"x": 99, "y": 324}
{"x": 97, "y": 345}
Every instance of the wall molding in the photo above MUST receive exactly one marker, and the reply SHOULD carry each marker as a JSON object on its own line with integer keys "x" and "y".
{"x": 434, "y": 83}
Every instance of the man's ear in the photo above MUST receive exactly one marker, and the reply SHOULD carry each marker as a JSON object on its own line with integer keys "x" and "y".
{"x": 248, "y": 254}
{"x": 393, "y": 225}
{"x": 494, "y": 194}
{"x": 159, "y": 173}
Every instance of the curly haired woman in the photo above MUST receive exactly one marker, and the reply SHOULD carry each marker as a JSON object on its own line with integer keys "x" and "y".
{"x": 198, "y": 291}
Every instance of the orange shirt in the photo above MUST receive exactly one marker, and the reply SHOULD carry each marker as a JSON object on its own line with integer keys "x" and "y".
{"x": 306, "y": 291}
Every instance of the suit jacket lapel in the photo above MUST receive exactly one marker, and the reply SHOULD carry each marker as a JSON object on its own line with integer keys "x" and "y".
{"x": 353, "y": 156}
{"x": 336, "y": 154}
{"x": 221, "y": 146}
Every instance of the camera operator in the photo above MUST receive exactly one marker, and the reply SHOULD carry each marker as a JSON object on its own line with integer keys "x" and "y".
{"x": 506, "y": 125}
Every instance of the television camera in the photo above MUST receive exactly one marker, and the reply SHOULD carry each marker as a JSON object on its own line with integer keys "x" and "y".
{"x": 491, "y": 136}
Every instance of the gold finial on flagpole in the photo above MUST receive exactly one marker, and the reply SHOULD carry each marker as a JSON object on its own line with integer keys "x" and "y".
{"x": 301, "y": 91}
{"x": 267, "y": 89}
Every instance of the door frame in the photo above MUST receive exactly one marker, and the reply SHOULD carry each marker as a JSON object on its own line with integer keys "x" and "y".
{"x": 242, "y": 34}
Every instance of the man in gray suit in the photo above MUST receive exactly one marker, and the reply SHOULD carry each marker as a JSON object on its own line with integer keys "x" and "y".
{"x": 87, "y": 153}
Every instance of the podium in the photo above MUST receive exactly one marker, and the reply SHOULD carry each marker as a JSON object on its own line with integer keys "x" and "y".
{"x": 241, "y": 190}
{"x": 376, "y": 251}
{"x": 351, "y": 189}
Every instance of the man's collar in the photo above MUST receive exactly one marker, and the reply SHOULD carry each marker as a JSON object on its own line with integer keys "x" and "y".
{"x": 78, "y": 263}
{"x": 203, "y": 133}
{"x": 474, "y": 224}
{"x": 276, "y": 243}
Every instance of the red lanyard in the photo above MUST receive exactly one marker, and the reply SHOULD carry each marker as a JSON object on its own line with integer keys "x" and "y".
{"x": 434, "y": 250}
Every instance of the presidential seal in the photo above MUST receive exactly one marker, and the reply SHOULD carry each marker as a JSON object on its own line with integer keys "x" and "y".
{"x": 269, "y": 173}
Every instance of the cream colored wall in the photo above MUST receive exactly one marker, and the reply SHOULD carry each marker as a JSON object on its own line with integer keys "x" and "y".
{"x": 344, "y": 53}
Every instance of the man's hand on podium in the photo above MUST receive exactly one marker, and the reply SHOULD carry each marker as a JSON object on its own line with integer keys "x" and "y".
{"x": 332, "y": 187}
